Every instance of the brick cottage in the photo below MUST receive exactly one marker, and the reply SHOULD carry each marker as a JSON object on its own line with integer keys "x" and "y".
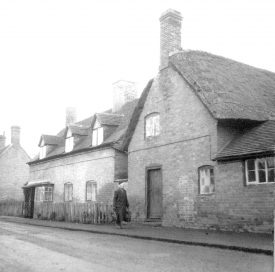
{"x": 81, "y": 162}
{"x": 201, "y": 141}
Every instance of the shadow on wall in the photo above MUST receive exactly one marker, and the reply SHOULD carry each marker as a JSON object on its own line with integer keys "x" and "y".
{"x": 137, "y": 207}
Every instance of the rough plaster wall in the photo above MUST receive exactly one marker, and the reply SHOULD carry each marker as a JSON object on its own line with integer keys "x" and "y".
{"x": 14, "y": 173}
{"x": 121, "y": 165}
{"x": 96, "y": 166}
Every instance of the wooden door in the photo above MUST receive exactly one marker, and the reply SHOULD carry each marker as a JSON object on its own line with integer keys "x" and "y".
{"x": 29, "y": 202}
{"x": 154, "y": 194}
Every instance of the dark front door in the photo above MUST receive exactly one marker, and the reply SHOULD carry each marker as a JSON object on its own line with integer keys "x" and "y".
{"x": 154, "y": 194}
{"x": 29, "y": 202}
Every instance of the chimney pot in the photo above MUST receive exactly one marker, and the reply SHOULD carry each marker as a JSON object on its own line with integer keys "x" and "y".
{"x": 170, "y": 35}
{"x": 2, "y": 141}
{"x": 15, "y": 135}
{"x": 123, "y": 92}
{"x": 70, "y": 115}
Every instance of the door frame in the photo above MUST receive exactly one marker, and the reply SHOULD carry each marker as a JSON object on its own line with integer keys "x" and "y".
{"x": 147, "y": 169}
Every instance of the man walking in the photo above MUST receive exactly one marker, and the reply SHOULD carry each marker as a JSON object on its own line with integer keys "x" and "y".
{"x": 120, "y": 204}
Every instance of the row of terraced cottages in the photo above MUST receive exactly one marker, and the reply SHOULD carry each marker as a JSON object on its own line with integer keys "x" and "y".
{"x": 197, "y": 147}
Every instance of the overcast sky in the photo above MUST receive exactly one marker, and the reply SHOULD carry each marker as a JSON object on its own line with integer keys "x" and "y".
{"x": 60, "y": 53}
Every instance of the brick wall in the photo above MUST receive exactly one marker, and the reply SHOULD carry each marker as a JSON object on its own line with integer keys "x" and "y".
{"x": 236, "y": 206}
{"x": 190, "y": 138}
{"x": 78, "y": 169}
{"x": 14, "y": 172}
{"x": 170, "y": 35}
{"x": 187, "y": 141}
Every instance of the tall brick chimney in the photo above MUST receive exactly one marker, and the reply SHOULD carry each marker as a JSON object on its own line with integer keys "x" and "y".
{"x": 123, "y": 92}
{"x": 2, "y": 141}
{"x": 15, "y": 135}
{"x": 170, "y": 35}
{"x": 70, "y": 115}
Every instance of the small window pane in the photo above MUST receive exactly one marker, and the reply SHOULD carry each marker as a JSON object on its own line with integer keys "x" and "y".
{"x": 251, "y": 176}
{"x": 261, "y": 164}
{"x": 100, "y": 135}
{"x": 262, "y": 177}
{"x": 48, "y": 193}
{"x": 206, "y": 179}
{"x": 270, "y": 162}
{"x": 271, "y": 175}
{"x": 152, "y": 125}
{"x": 94, "y": 137}
{"x": 68, "y": 192}
{"x": 91, "y": 191}
{"x": 251, "y": 164}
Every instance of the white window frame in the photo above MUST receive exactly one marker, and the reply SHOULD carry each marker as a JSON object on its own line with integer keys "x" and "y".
{"x": 43, "y": 150}
{"x": 256, "y": 160}
{"x": 97, "y": 134}
{"x": 69, "y": 143}
{"x": 68, "y": 196}
{"x": 93, "y": 185}
{"x": 211, "y": 180}
{"x": 42, "y": 193}
{"x": 152, "y": 125}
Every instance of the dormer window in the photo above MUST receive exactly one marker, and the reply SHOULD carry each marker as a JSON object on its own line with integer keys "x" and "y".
{"x": 69, "y": 143}
{"x": 97, "y": 134}
{"x": 152, "y": 126}
{"x": 43, "y": 150}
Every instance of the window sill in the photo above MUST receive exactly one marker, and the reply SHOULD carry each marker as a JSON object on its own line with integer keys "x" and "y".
{"x": 256, "y": 184}
{"x": 210, "y": 194}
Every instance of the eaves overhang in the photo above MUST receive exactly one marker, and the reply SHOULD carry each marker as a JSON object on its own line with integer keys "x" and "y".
{"x": 74, "y": 152}
{"x": 243, "y": 156}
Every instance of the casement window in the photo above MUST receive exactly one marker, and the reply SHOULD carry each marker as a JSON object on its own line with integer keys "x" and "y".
{"x": 44, "y": 193}
{"x": 206, "y": 180}
{"x": 260, "y": 170}
{"x": 68, "y": 191}
{"x": 152, "y": 125}
{"x": 69, "y": 143}
{"x": 43, "y": 152}
{"x": 97, "y": 134}
{"x": 91, "y": 190}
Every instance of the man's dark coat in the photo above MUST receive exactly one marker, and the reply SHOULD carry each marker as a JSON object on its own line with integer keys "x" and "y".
{"x": 120, "y": 199}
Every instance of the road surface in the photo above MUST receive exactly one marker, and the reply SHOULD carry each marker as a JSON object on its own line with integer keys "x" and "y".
{"x": 26, "y": 248}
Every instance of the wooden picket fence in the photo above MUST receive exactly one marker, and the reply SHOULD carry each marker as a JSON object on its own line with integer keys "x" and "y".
{"x": 86, "y": 213}
{"x": 11, "y": 207}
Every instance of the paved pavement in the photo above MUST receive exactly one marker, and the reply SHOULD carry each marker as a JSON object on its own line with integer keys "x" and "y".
{"x": 246, "y": 242}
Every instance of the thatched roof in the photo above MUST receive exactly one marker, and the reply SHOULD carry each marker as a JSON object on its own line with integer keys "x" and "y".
{"x": 229, "y": 89}
{"x": 134, "y": 119}
{"x": 257, "y": 140}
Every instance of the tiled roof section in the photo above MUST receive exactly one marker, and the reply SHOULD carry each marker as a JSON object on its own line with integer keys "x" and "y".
{"x": 51, "y": 140}
{"x": 229, "y": 89}
{"x": 83, "y": 131}
{"x": 109, "y": 119}
{"x": 79, "y": 130}
{"x": 259, "y": 139}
